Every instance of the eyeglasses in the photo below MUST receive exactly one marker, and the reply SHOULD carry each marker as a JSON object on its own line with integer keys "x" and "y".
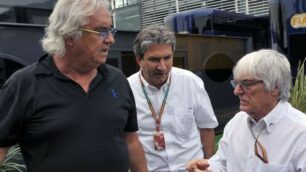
{"x": 263, "y": 156}
{"x": 258, "y": 146}
{"x": 245, "y": 84}
{"x": 103, "y": 33}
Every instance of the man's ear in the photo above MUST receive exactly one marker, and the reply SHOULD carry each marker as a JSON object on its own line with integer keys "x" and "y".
{"x": 69, "y": 41}
{"x": 275, "y": 91}
{"x": 139, "y": 59}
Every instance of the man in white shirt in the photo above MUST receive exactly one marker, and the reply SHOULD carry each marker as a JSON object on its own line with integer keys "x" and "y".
{"x": 268, "y": 135}
{"x": 175, "y": 117}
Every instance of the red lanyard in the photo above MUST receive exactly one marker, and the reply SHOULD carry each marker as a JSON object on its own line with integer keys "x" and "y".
{"x": 157, "y": 118}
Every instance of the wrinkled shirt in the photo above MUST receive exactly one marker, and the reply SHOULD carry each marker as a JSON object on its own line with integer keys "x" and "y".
{"x": 283, "y": 136}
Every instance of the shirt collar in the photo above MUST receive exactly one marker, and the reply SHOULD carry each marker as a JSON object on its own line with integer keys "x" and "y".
{"x": 46, "y": 66}
{"x": 272, "y": 118}
{"x": 151, "y": 87}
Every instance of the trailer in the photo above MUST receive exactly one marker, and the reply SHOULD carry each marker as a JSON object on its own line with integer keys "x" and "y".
{"x": 212, "y": 59}
{"x": 288, "y": 29}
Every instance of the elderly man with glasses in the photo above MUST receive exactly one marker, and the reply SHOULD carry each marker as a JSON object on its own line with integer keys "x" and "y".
{"x": 268, "y": 135}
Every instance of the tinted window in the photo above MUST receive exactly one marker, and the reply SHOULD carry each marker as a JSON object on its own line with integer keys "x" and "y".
{"x": 25, "y": 11}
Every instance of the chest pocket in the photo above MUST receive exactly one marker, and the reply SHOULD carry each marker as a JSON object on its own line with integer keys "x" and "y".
{"x": 259, "y": 166}
{"x": 183, "y": 122}
{"x": 274, "y": 168}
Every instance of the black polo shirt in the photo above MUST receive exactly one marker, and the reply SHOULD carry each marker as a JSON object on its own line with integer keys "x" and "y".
{"x": 62, "y": 128}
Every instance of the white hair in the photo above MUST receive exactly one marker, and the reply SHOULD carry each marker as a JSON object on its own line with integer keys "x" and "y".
{"x": 66, "y": 19}
{"x": 270, "y": 66}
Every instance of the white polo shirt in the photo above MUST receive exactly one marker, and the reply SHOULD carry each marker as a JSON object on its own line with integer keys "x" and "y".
{"x": 283, "y": 137}
{"x": 187, "y": 108}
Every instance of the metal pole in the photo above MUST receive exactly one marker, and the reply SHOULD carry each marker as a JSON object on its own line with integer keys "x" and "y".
{"x": 177, "y": 6}
{"x": 247, "y": 6}
{"x": 113, "y": 4}
{"x": 236, "y": 6}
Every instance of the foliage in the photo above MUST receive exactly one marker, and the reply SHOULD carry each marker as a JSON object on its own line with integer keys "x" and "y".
{"x": 12, "y": 161}
{"x": 217, "y": 139}
{"x": 298, "y": 92}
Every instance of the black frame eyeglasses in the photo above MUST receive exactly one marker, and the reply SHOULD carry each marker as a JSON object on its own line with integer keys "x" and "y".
{"x": 245, "y": 84}
{"x": 103, "y": 33}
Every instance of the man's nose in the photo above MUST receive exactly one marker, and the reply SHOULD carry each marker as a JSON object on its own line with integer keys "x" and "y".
{"x": 161, "y": 65}
{"x": 238, "y": 90}
{"x": 109, "y": 39}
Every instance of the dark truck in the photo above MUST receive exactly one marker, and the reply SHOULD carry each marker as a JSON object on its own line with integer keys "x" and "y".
{"x": 21, "y": 28}
{"x": 22, "y": 25}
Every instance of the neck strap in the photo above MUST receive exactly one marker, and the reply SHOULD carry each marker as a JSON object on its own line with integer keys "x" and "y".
{"x": 157, "y": 118}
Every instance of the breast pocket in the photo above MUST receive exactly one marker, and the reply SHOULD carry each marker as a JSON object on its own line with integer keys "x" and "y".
{"x": 274, "y": 168}
{"x": 184, "y": 122}
{"x": 259, "y": 166}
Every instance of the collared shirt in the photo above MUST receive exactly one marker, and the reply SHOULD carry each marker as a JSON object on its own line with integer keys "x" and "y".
{"x": 283, "y": 137}
{"x": 187, "y": 108}
{"x": 62, "y": 128}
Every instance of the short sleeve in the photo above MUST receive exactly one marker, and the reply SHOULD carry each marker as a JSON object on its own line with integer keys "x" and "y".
{"x": 301, "y": 153}
{"x": 205, "y": 116}
{"x": 132, "y": 125}
{"x": 9, "y": 112}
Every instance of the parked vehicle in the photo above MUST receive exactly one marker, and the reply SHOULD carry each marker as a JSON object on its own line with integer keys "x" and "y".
{"x": 288, "y": 29}
{"x": 22, "y": 25}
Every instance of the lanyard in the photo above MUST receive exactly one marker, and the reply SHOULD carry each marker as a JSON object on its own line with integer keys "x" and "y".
{"x": 157, "y": 118}
{"x": 264, "y": 156}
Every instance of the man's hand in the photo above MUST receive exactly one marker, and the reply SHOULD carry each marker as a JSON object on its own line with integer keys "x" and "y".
{"x": 3, "y": 152}
{"x": 198, "y": 165}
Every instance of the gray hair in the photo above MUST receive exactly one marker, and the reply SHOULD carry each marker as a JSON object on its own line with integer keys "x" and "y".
{"x": 270, "y": 66}
{"x": 66, "y": 19}
{"x": 153, "y": 35}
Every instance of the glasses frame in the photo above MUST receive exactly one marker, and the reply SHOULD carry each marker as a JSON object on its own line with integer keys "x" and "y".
{"x": 103, "y": 33}
{"x": 264, "y": 156}
{"x": 245, "y": 84}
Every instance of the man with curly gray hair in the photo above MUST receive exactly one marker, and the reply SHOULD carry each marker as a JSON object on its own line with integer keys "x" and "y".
{"x": 175, "y": 117}
{"x": 268, "y": 134}
{"x": 71, "y": 112}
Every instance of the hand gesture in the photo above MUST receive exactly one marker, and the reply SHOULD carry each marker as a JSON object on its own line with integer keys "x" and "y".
{"x": 198, "y": 165}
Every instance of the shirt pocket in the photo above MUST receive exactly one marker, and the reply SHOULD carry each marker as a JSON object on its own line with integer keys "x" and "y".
{"x": 275, "y": 168}
{"x": 184, "y": 122}
{"x": 259, "y": 166}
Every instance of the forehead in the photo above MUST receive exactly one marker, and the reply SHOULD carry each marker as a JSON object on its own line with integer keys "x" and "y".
{"x": 101, "y": 18}
{"x": 158, "y": 50}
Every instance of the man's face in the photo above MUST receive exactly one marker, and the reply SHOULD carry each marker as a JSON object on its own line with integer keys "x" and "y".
{"x": 156, "y": 64}
{"x": 91, "y": 49}
{"x": 254, "y": 99}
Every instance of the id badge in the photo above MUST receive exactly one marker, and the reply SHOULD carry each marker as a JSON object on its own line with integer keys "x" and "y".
{"x": 159, "y": 140}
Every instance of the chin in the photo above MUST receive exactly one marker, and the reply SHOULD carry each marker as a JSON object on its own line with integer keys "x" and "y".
{"x": 243, "y": 108}
{"x": 101, "y": 60}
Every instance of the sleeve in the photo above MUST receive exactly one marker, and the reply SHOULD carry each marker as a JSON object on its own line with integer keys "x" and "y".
{"x": 301, "y": 154}
{"x": 10, "y": 124}
{"x": 132, "y": 125}
{"x": 204, "y": 114}
{"x": 218, "y": 161}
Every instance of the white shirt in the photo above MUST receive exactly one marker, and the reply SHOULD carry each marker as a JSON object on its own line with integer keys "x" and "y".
{"x": 283, "y": 137}
{"x": 187, "y": 108}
